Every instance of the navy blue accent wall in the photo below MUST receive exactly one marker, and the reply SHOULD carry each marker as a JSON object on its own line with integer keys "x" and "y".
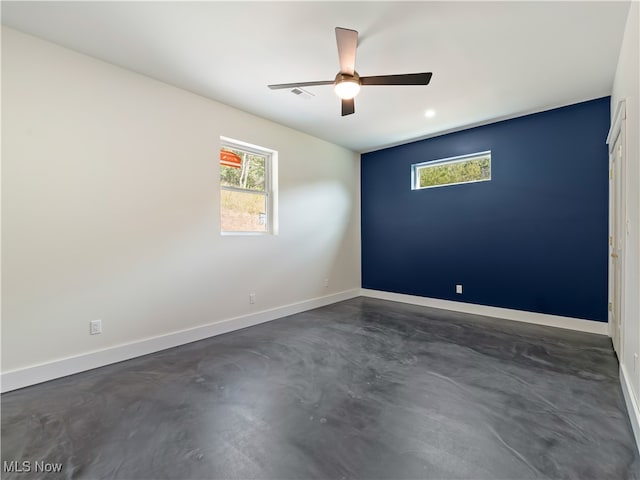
{"x": 533, "y": 238}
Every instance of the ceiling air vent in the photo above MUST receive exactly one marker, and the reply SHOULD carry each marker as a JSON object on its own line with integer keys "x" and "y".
{"x": 299, "y": 92}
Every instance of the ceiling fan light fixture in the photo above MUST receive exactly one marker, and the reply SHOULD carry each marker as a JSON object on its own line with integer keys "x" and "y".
{"x": 346, "y": 90}
{"x": 347, "y": 86}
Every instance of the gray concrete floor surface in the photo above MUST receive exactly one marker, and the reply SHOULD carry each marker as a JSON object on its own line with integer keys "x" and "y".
{"x": 364, "y": 388}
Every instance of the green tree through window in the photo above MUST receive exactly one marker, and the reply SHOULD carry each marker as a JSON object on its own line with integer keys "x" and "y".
{"x": 472, "y": 168}
{"x": 251, "y": 176}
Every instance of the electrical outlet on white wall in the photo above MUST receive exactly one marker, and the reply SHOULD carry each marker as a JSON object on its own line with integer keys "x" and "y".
{"x": 252, "y": 298}
{"x": 95, "y": 327}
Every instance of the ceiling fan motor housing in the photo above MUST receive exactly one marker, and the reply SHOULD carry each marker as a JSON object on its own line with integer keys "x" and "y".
{"x": 344, "y": 77}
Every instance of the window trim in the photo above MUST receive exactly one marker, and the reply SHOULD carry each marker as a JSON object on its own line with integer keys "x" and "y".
{"x": 415, "y": 168}
{"x": 270, "y": 183}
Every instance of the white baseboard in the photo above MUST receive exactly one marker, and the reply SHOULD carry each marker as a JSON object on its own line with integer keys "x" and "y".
{"x": 32, "y": 375}
{"x": 632, "y": 404}
{"x": 590, "y": 326}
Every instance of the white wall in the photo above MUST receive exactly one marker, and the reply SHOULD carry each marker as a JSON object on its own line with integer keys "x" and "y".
{"x": 110, "y": 209}
{"x": 627, "y": 87}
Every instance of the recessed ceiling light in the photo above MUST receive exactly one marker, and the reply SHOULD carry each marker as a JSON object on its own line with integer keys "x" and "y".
{"x": 430, "y": 113}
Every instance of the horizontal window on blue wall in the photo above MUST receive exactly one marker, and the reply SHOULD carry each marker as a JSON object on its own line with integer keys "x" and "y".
{"x": 475, "y": 167}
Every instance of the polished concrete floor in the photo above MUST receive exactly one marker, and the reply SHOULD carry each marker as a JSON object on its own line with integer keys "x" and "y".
{"x": 363, "y": 389}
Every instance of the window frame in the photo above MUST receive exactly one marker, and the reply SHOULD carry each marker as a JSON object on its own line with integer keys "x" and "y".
{"x": 270, "y": 157}
{"x": 416, "y": 167}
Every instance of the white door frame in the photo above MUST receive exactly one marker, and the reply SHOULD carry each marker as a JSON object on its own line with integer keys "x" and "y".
{"x": 617, "y": 238}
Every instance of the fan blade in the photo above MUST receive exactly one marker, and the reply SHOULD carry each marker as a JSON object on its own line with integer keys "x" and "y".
{"x": 300, "y": 84}
{"x": 348, "y": 107}
{"x": 347, "y": 41}
{"x": 406, "y": 79}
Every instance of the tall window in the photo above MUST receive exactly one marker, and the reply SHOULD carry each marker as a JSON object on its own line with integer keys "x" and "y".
{"x": 246, "y": 183}
{"x": 452, "y": 171}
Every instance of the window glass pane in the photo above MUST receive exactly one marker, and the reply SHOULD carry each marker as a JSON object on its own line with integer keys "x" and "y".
{"x": 475, "y": 169}
{"x": 249, "y": 175}
{"x": 243, "y": 211}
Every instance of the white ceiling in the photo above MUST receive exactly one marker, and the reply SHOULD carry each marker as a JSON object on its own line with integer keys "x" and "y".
{"x": 490, "y": 60}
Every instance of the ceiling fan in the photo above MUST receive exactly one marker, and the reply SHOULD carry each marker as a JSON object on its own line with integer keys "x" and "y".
{"x": 347, "y": 82}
